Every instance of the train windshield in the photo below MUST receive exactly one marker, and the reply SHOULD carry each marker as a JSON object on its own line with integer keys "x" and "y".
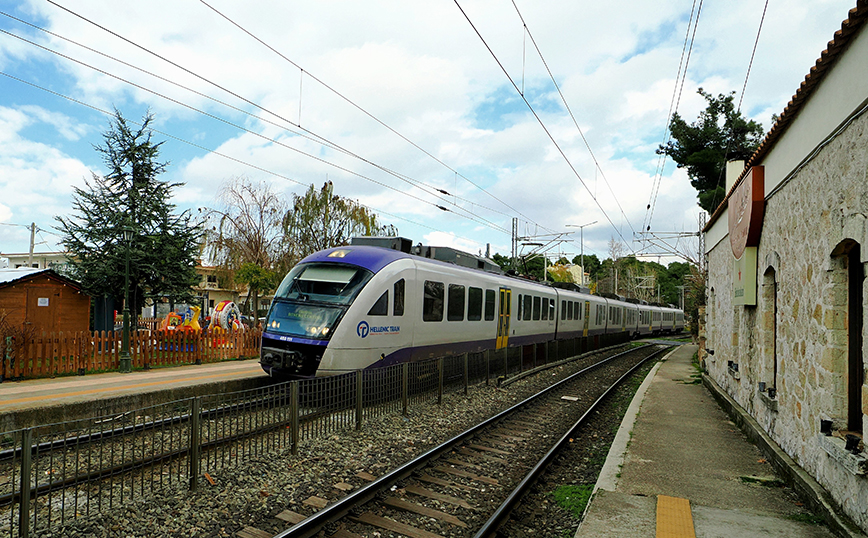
{"x": 323, "y": 283}
{"x": 313, "y": 297}
{"x": 300, "y": 319}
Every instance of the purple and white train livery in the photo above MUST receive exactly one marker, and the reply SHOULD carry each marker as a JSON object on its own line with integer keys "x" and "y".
{"x": 361, "y": 306}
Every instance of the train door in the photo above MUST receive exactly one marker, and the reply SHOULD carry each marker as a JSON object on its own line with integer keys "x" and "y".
{"x": 503, "y": 318}
{"x": 587, "y": 317}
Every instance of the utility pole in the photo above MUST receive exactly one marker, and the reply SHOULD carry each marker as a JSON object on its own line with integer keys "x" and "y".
{"x": 582, "y": 244}
{"x": 32, "y": 239}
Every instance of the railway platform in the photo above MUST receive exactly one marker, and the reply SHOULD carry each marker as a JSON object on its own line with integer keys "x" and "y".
{"x": 680, "y": 467}
{"x": 44, "y": 401}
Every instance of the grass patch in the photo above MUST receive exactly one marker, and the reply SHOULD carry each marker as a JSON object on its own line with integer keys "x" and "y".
{"x": 811, "y": 519}
{"x": 573, "y": 498}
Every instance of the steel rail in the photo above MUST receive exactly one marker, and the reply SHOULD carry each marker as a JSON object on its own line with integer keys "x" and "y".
{"x": 312, "y": 525}
{"x": 154, "y": 459}
{"x": 501, "y": 515}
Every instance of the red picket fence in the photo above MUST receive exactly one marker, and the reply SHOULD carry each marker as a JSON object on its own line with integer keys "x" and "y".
{"x": 76, "y": 353}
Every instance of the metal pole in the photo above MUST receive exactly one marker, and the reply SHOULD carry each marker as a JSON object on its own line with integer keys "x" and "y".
{"x": 26, "y": 463}
{"x": 293, "y": 412}
{"x": 466, "y": 372}
{"x": 440, "y": 381}
{"x": 359, "y": 388}
{"x": 126, "y": 363}
{"x": 405, "y": 388}
{"x": 194, "y": 453}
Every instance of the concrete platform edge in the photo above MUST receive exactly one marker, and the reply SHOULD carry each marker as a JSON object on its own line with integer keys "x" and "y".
{"x": 607, "y": 478}
{"x": 796, "y": 477}
{"x": 46, "y": 416}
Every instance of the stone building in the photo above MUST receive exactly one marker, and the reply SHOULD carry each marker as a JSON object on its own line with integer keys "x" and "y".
{"x": 786, "y": 255}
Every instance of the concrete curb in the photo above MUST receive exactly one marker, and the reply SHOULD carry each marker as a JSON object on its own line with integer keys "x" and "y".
{"x": 796, "y": 477}
{"x": 608, "y": 477}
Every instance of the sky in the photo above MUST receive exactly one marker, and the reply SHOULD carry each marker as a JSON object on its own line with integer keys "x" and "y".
{"x": 418, "y": 97}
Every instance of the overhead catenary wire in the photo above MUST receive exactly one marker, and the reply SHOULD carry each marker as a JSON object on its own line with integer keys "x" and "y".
{"x": 211, "y": 151}
{"x": 569, "y": 110}
{"x": 468, "y": 215}
{"x": 319, "y": 138}
{"x": 361, "y": 109}
{"x": 541, "y": 122}
{"x": 720, "y": 177}
{"x": 680, "y": 78}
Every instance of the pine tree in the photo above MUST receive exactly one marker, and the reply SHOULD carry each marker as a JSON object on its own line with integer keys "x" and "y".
{"x": 165, "y": 244}
{"x": 720, "y": 134}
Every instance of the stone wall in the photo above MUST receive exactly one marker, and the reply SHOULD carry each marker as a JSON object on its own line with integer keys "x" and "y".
{"x": 796, "y": 338}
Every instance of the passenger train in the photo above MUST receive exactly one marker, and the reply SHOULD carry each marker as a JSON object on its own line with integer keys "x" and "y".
{"x": 363, "y": 306}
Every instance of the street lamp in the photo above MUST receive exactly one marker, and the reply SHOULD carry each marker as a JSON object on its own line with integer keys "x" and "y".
{"x": 126, "y": 365}
{"x": 582, "y": 244}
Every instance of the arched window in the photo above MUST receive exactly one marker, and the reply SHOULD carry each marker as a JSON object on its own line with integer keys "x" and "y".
{"x": 769, "y": 324}
{"x": 847, "y": 256}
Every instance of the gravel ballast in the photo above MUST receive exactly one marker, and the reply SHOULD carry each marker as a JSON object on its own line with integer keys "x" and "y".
{"x": 253, "y": 493}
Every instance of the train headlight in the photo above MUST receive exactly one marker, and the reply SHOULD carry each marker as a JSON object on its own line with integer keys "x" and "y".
{"x": 325, "y": 331}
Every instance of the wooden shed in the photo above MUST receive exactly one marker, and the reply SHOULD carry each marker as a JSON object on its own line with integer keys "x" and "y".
{"x": 38, "y": 300}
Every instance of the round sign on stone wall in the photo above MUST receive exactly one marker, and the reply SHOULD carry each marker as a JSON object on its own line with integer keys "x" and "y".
{"x": 745, "y": 211}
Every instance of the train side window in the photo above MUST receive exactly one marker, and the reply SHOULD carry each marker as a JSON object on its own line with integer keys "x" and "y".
{"x": 518, "y": 311}
{"x": 563, "y": 310}
{"x": 553, "y": 309}
{"x": 536, "y": 308}
{"x": 474, "y": 304}
{"x": 455, "y": 310}
{"x": 490, "y": 303}
{"x": 398, "y": 306}
{"x": 381, "y": 307}
{"x": 528, "y": 307}
{"x": 545, "y": 308}
{"x": 432, "y": 304}
{"x": 577, "y": 309}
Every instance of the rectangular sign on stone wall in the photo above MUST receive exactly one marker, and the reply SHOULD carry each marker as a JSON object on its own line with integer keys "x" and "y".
{"x": 744, "y": 278}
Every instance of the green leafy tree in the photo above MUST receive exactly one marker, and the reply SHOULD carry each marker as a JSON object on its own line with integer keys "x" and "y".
{"x": 165, "y": 244}
{"x": 504, "y": 262}
{"x": 320, "y": 219}
{"x": 720, "y": 134}
{"x": 257, "y": 279}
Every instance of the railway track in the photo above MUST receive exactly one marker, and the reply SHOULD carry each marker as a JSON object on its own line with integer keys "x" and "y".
{"x": 469, "y": 485}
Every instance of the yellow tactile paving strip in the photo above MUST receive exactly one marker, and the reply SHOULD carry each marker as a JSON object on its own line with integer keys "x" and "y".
{"x": 674, "y": 519}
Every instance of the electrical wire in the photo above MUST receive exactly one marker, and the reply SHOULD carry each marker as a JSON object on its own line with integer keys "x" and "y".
{"x": 208, "y": 150}
{"x": 677, "y": 91}
{"x": 469, "y": 216}
{"x": 361, "y": 109}
{"x": 319, "y": 138}
{"x": 752, "y": 54}
{"x": 729, "y": 140}
{"x": 570, "y": 112}
{"x": 539, "y": 120}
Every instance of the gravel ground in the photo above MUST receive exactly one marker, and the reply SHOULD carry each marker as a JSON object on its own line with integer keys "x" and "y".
{"x": 578, "y": 468}
{"x": 253, "y": 493}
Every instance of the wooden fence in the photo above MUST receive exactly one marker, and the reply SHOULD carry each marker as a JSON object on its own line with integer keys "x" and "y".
{"x": 77, "y": 353}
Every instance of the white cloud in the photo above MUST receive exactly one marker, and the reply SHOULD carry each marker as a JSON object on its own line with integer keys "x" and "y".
{"x": 420, "y": 68}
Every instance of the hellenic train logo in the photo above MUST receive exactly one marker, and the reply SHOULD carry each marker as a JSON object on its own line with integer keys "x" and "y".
{"x": 363, "y": 329}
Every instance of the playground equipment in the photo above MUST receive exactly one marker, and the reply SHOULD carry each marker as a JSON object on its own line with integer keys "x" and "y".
{"x": 227, "y": 316}
{"x": 188, "y": 322}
